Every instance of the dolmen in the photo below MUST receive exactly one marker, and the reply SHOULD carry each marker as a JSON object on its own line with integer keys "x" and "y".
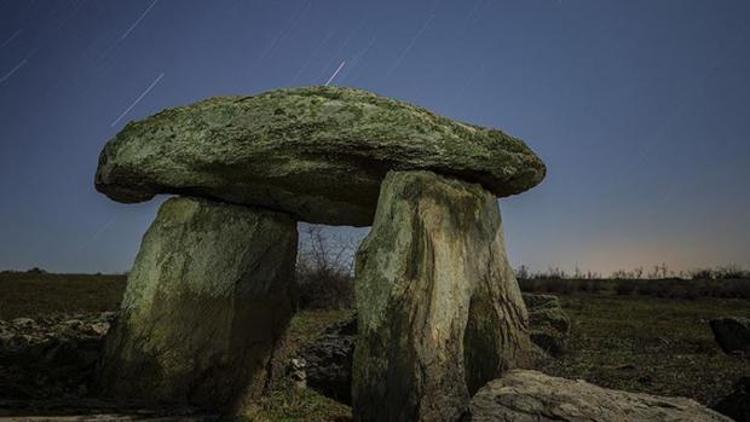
{"x": 212, "y": 289}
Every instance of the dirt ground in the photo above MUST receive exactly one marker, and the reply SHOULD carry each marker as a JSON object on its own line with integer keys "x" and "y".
{"x": 632, "y": 342}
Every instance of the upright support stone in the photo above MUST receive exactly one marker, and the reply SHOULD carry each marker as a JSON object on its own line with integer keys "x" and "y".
{"x": 210, "y": 294}
{"x": 439, "y": 310}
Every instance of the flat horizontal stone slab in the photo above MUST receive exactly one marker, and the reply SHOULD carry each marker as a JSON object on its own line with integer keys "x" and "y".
{"x": 531, "y": 396}
{"x": 318, "y": 153}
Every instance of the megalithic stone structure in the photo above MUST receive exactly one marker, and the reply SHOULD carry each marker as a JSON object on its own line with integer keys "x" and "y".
{"x": 318, "y": 153}
{"x": 209, "y": 293}
{"x": 209, "y": 296}
{"x": 439, "y": 309}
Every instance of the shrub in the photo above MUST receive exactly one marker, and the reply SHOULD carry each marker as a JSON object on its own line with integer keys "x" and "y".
{"x": 324, "y": 271}
{"x": 626, "y": 287}
{"x": 592, "y": 286}
{"x": 731, "y": 272}
{"x": 702, "y": 274}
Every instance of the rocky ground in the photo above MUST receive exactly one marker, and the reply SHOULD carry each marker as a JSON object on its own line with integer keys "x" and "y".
{"x": 650, "y": 345}
{"x": 47, "y": 367}
{"x": 632, "y": 343}
{"x": 52, "y": 356}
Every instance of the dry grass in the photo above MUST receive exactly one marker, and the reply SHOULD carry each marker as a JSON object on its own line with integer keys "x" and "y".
{"x": 28, "y": 294}
{"x": 37, "y": 295}
{"x": 675, "y": 288}
{"x": 632, "y": 342}
{"x": 651, "y": 345}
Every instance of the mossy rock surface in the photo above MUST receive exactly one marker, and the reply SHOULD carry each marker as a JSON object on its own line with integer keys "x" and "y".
{"x": 318, "y": 153}
{"x": 209, "y": 296}
{"x": 439, "y": 311}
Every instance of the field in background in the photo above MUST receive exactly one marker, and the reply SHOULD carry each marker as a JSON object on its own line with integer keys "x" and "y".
{"x": 670, "y": 288}
{"x": 649, "y": 344}
{"x": 36, "y": 293}
{"x": 639, "y": 335}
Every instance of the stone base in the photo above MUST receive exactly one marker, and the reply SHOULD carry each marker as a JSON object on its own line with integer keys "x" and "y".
{"x": 210, "y": 294}
{"x": 439, "y": 309}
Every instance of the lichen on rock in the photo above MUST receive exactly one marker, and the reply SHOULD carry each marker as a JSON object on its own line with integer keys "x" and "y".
{"x": 318, "y": 153}
{"x": 439, "y": 309}
{"x": 210, "y": 294}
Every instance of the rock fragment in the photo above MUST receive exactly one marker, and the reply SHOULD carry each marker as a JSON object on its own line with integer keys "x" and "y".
{"x": 530, "y": 396}
{"x": 732, "y": 334}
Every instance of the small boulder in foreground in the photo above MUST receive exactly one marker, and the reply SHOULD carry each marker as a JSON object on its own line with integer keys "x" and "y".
{"x": 737, "y": 404}
{"x": 549, "y": 325}
{"x": 732, "y": 334}
{"x": 531, "y": 396}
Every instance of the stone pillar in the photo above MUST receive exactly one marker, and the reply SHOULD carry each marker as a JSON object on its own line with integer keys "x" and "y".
{"x": 209, "y": 296}
{"x": 439, "y": 309}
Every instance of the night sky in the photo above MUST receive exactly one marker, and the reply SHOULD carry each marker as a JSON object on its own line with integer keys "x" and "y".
{"x": 640, "y": 109}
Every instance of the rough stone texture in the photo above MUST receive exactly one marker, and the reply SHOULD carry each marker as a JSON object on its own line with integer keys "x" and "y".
{"x": 737, "y": 404}
{"x": 530, "y": 396}
{"x": 328, "y": 358}
{"x": 328, "y": 361}
{"x": 319, "y": 153}
{"x": 549, "y": 325}
{"x": 439, "y": 309}
{"x": 732, "y": 334}
{"x": 209, "y": 296}
{"x": 50, "y": 357}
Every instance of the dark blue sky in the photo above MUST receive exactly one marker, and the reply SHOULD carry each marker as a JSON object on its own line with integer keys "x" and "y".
{"x": 641, "y": 110}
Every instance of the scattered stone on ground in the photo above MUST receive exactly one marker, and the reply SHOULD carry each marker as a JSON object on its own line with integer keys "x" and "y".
{"x": 328, "y": 360}
{"x": 732, "y": 334}
{"x": 297, "y": 372}
{"x": 737, "y": 404}
{"x": 439, "y": 309}
{"x": 319, "y": 153}
{"x": 209, "y": 296}
{"x": 549, "y": 325}
{"x": 50, "y": 357}
{"x": 531, "y": 396}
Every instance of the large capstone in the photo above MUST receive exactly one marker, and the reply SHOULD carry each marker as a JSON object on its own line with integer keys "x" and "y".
{"x": 319, "y": 153}
{"x": 209, "y": 295}
{"x": 439, "y": 309}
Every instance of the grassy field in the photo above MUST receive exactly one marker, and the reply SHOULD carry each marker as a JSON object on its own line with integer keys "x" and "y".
{"x": 34, "y": 294}
{"x": 650, "y": 345}
{"x": 657, "y": 345}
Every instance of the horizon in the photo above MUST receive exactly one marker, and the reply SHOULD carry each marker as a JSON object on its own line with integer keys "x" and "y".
{"x": 640, "y": 111}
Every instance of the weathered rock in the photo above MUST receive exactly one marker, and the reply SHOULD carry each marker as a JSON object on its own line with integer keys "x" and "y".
{"x": 297, "y": 373}
{"x": 208, "y": 297}
{"x": 737, "y": 404}
{"x": 439, "y": 309}
{"x": 732, "y": 334}
{"x": 319, "y": 153}
{"x": 549, "y": 325}
{"x": 328, "y": 360}
{"x": 530, "y": 396}
{"x": 50, "y": 357}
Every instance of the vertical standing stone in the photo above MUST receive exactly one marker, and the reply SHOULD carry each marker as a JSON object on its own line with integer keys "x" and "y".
{"x": 439, "y": 310}
{"x": 209, "y": 295}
